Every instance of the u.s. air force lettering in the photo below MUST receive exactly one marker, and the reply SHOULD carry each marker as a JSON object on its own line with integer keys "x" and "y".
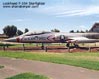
{"x": 35, "y": 38}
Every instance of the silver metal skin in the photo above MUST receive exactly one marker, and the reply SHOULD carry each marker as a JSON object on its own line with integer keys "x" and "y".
{"x": 53, "y": 37}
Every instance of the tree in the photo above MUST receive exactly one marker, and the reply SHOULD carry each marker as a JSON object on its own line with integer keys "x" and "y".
{"x": 72, "y": 31}
{"x": 77, "y": 31}
{"x": 87, "y": 31}
{"x": 82, "y": 31}
{"x": 26, "y": 30}
{"x": 10, "y": 31}
{"x": 55, "y": 30}
{"x": 19, "y": 32}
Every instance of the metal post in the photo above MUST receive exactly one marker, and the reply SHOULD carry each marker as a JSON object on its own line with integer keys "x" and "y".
{"x": 23, "y": 47}
{"x": 42, "y": 47}
{"x": 89, "y": 49}
{"x": 69, "y": 49}
{"x": 95, "y": 44}
{"x": 45, "y": 49}
{"x": 4, "y": 47}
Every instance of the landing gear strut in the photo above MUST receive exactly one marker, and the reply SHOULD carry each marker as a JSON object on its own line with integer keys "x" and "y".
{"x": 68, "y": 44}
{"x": 74, "y": 45}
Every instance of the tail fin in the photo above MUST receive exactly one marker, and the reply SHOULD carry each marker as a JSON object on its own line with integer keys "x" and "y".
{"x": 95, "y": 28}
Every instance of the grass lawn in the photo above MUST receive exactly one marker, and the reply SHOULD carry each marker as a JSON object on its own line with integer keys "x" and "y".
{"x": 28, "y": 76}
{"x": 1, "y": 67}
{"x": 30, "y": 45}
{"x": 86, "y": 60}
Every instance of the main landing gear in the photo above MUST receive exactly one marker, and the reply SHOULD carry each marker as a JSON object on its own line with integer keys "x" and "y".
{"x": 68, "y": 44}
{"x": 75, "y": 45}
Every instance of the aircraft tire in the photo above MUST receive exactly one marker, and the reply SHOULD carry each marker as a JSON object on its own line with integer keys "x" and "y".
{"x": 68, "y": 45}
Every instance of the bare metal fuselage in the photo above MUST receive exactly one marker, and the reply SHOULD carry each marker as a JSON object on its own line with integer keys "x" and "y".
{"x": 53, "y": 37}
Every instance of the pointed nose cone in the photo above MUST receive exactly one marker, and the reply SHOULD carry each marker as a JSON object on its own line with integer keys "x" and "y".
{"x": 10, "y": 40}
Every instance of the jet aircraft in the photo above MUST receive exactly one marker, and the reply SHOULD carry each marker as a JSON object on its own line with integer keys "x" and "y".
{"x": 55, "y": 37}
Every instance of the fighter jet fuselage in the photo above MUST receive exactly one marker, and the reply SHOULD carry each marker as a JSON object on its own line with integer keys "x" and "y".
{"x": 53, "y": 37}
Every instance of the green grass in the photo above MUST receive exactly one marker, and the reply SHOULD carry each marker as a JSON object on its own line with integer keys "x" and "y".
{"x": 86, "y": 60}
{"x": 28, "y": 76}
{"x": 30, "y": 45}
{"x": 49, "y": 44}
{"x": 1, "y": 67}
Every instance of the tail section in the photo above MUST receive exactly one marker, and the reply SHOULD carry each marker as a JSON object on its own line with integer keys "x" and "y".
{"x": 95, "y": 28}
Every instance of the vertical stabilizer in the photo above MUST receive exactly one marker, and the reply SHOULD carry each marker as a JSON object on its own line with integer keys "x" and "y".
{"x": 95, "y": 28}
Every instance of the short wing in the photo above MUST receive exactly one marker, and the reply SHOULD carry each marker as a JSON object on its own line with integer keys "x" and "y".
{"x": 82, "y": 40}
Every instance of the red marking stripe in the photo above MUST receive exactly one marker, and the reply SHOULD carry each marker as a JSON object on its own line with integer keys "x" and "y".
{"x": 18, "y": 39}
{"x": 51, "y": 37}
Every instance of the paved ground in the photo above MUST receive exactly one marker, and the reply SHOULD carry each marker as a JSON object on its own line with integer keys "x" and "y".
{"x": 54, "y": 71}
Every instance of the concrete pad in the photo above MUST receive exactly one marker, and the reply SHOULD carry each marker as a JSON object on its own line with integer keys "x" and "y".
{"x": 55, "y": 71}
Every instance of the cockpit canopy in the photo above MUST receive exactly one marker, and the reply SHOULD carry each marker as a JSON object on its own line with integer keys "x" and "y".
{"x": 35, "y": 33}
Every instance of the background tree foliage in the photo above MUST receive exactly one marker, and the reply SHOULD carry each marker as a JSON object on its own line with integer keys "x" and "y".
{"x": 72, "y": 31}
{"x": 55, "y": 30}
{"x": 79, "y": 31}
{"x": 19, "y": 32}
{"x": 10, "y": 31}
{"x": 26, "y": 30}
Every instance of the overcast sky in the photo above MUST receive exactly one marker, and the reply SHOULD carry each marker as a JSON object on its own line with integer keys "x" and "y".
{"x": 64, "y": 15}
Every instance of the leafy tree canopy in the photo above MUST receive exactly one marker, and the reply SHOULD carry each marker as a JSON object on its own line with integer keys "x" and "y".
{"x": 26, "y": 30}
{"x": 55, "y": 30}
{"x": 19, "y": 32}
{"x": 10, "y": 31}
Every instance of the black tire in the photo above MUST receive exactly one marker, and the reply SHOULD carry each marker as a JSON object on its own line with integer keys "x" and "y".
{"x": 76, "y": 45}
{"x": 68, "y": 45}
